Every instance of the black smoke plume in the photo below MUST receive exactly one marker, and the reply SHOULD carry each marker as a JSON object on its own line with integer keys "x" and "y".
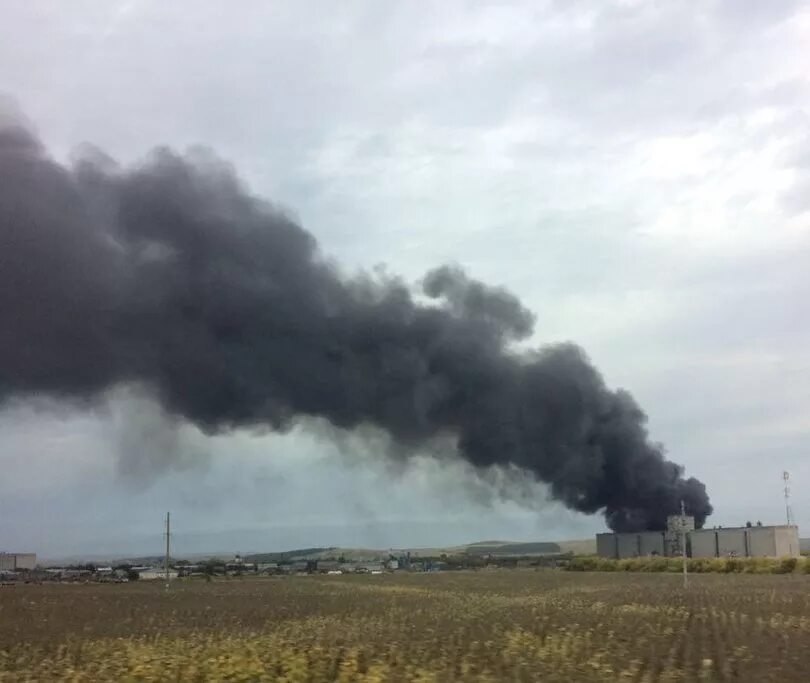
{"x": 171, "y": 276}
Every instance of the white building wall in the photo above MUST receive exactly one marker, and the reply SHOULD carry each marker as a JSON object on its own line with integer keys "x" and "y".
{"x": 606, "y": 545}
{"x": 26, "y": 560}
{"x": 787, "y": 541}
{"x": 651, "y": 543}
{"x": 732, "y": 543}
{"x": 627, "y": 545}
{"x": 14, "y": 561}
{"x": 761, "y": 541}
{"x": 155, "y": 574}
{"x": 703, "y": 543}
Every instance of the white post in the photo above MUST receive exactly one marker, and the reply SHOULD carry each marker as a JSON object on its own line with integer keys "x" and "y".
{"x": 683, "y": 543}
{"x": 168, "y": 536}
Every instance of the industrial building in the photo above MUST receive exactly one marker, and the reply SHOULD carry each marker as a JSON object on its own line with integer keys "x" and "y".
{"x": 747, "y": 541}
{"x": 754, "y": 541}
{"x": 12, "y": 562}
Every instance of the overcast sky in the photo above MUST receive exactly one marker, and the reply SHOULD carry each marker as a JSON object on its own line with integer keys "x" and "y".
{"x": 638, "y": 173}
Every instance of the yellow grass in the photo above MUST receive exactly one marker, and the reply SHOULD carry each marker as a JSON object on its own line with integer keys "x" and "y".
{"x": 486, "y": 626}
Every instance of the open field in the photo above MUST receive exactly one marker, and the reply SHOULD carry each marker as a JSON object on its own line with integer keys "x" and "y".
{"x": 454, "y": 626}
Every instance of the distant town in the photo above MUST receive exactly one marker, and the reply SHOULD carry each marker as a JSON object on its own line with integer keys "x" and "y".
{"x": 329, "y": 561}
{"x": 24, "y": 567}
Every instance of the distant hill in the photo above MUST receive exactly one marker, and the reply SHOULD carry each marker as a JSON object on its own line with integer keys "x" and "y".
{"x": 479, "y": 549}
{"x": 288, "y": 555}
{"x": 583, "y": 547}
{"x": 503, "y": 548}
{"x": 540, "y": 548}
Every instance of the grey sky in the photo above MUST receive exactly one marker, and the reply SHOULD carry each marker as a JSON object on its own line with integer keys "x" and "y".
{"x": 638, "y": 173}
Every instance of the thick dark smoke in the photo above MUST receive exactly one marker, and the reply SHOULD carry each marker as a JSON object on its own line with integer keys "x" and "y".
{"x": 170, "y": 276}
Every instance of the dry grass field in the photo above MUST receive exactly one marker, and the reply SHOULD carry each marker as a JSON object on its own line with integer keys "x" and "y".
{"x": 484, "y": 626}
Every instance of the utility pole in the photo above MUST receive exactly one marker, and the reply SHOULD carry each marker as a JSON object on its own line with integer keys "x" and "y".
{"x": 683, "y": 542}
{"x": 788, "y": 511}
{"x": 168, "y": 538}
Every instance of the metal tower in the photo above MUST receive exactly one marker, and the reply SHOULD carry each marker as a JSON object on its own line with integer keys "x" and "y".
{"x": 788, "y": 511}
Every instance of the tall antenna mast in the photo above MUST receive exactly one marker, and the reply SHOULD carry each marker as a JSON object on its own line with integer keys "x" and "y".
{"x": 788, "y": 511}
{"x": 168, "y": 538}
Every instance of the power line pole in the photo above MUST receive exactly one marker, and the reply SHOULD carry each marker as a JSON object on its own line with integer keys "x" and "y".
{"x": 168, "y": 538}
{"x": 683, "y": 542}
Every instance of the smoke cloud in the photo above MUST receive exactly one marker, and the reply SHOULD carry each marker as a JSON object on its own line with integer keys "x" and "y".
{"x": 170, "y": 276}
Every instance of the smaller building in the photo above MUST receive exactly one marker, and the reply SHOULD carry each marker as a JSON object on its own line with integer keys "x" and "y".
{"x": 299, "y": 567}
{"x": 76, "y": 574}
{"x": 156, "y": 574}
{"x": 776, "y": 541}
{"x": 369, "y": 568}
{"x": 13, "y": 562}
{"x": 326, "y": 566}
{"x": 240, "y": 567}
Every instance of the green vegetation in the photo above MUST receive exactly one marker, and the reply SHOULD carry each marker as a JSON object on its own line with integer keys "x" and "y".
{"x": 513, "y": 549}
{"x": 494, "y": 549}
{"x": 286, "y": 556}
{"x": 698, "y": 565}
